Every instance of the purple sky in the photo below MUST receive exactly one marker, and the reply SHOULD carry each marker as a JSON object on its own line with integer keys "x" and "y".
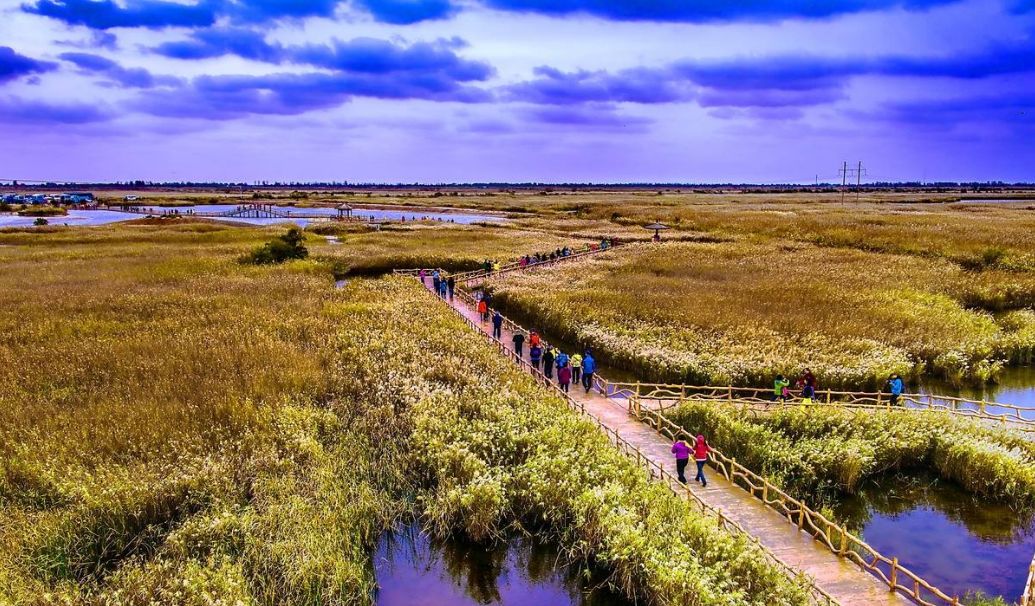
{"x": 516, "y": 90}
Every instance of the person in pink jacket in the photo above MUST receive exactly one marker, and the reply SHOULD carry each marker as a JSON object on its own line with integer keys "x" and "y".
{"x": 682, "y": 451}
{"x": 701, "y": 451}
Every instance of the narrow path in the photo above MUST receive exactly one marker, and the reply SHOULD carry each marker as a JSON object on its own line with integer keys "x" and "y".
{"x": 844, "y": 581}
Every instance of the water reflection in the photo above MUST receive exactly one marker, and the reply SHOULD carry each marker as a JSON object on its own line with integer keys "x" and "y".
{"x": 1016, "y": 385}
{"x": 945, "y": 535}
{"x": 413, "y": 570}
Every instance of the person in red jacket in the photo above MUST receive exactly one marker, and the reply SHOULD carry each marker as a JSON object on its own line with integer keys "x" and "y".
{"x": 483, "y": 310}
{"x": 701, "y": 451}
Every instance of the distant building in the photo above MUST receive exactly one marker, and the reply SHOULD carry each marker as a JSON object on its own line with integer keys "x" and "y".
{"x": 131, "y": 198}
{"x": 35, "y": 199}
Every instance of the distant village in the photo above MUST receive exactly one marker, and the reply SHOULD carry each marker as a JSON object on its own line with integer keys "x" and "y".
{"x": 77, "y": 198}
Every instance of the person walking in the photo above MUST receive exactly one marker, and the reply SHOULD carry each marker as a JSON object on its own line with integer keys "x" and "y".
{"x": 897, "y": 386}
{"x": 548, "y": 359}
{"x": 423, "y": 277}
{"x": 562, "y": 360}
{"x": 442, "y": 290}
{"x": 483, "y": 310}
{"x": 780, "y": 384}
{"x": 534, "y": 338}
{"x": 535, "y": 354}
{"x": 576, "y": 368}
{"x": 497, "y": 324}
{"x": 435, "y": 279}
{"x": 701, "y": 452}
{"x": 589, "y": 366}
{"x": 564, "y": 377}
{"x": 451, "y": 285}
{"x": 519, "y": 342}
{"x": 682, "y": 451}
{"x": 807, "y": 393}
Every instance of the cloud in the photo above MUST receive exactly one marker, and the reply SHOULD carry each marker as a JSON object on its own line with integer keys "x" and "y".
{"x": 21, "y": 112}
{"x": 14, "y": 65}
{"x": 369, "y": 55}
{"x": 219, "y": 41}
{"x": 137, "y": 77}
{"x": 362, "y": 55}
{"x": 405, "y": 12}
{"x": 1016, "y": 110}
{"x": 705, "y": 11}
{"x": 640, "y": 85}
{"x": 599, "y": 116}
{"x": 229, "y": 97}
{"x": 106, "y": 14}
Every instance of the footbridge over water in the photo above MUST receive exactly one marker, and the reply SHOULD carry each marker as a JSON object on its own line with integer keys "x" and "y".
{"x": 842, "y": 567}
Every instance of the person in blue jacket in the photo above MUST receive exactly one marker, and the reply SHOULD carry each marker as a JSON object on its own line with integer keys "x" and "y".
{"x": 896, "y": 386}
{"x": 589, "y": 366}
{"x": 497, "y": 325}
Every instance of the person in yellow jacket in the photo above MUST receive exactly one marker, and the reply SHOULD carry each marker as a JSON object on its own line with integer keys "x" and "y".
{"x": 576, "y": 368}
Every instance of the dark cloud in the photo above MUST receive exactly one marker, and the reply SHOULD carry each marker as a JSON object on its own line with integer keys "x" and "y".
{"x": 14, "y": 65}
{"x": 219, "y": 41}
{"x": 136, "y": 77}
{"x": 361, "y": 55}
{"x": 369, "y": 55}
{"x": 784, "y": 81}
{"x": 1017, "y": 110}
{"x": 640, "y": 85}
{"x": 703, "y": 11}
{"x": 21, "y": 112}
{"x": 404, "y": 12}
{"x": 228, "y": 97}
{"x": 106, "y": 14}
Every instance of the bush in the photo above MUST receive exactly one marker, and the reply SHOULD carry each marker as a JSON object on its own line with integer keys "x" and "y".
{"x": 280, "y": 249}
{"x": 40, "y": 221}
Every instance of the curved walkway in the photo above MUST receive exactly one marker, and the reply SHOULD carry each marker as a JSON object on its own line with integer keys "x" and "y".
{"x": 845, "y": 582}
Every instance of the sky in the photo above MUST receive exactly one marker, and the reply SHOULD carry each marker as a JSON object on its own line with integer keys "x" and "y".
{"x": 441, "y": 91}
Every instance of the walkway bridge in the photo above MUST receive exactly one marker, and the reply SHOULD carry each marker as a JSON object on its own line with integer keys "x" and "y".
{"x": 842, "y": 568}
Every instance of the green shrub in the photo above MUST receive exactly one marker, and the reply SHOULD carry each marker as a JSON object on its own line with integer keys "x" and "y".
{"x": 280, "y": 249}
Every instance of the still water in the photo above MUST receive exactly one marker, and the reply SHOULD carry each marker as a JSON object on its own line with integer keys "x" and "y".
{"x": 1016, "y": 386}
{"x": 102, "y": 217}
{"x": 954, "y": 540}
{"x": 413, "y": 570}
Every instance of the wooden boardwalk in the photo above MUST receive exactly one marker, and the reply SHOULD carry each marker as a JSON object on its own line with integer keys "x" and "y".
{"x": 846, "y": 583}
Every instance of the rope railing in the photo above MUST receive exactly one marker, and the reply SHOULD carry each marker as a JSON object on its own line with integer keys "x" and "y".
{"x": 817, "y": 596}
{"x": 1028, "y": 598}
{"x": 670, "y": 395}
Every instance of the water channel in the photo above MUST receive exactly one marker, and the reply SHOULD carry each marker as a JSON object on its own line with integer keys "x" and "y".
{"x": 82, "y": 218}
{"x": 413, "y": 570}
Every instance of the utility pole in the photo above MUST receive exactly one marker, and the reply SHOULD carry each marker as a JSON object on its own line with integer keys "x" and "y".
{"x": 858, "y": 181}
{"x": 844, "y": 180}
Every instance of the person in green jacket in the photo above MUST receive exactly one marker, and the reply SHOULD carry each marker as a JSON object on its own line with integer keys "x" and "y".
{"x": 780, "y": 387}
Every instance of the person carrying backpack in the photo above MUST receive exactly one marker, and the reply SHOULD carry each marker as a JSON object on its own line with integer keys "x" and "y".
{"x": 562, "y": 360}
{"x": 548, "y": 359}
{"x": 535, "y": 353}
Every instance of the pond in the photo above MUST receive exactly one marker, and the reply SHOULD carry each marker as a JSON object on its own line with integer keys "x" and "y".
{"x": 946, "y": 536}
{"x": 413, "y": 570}
{"x": 102, "y": 217}
{"x": 1016, "y": 385}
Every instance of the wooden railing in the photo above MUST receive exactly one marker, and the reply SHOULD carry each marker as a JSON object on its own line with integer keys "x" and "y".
{"x": 669, "y": 395}
{"x": 817, "y": 596}
{"x": 1028, "y": 598}
{"x": 832, "y": 535}
{"x": 480, "y": 274}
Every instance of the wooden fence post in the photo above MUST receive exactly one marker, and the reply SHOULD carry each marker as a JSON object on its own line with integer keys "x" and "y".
{"x": 893, "y": 578}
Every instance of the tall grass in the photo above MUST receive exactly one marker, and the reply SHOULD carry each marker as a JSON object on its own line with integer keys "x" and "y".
{"x": 743, "y": 312}
{"x": 176, "y": 428}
